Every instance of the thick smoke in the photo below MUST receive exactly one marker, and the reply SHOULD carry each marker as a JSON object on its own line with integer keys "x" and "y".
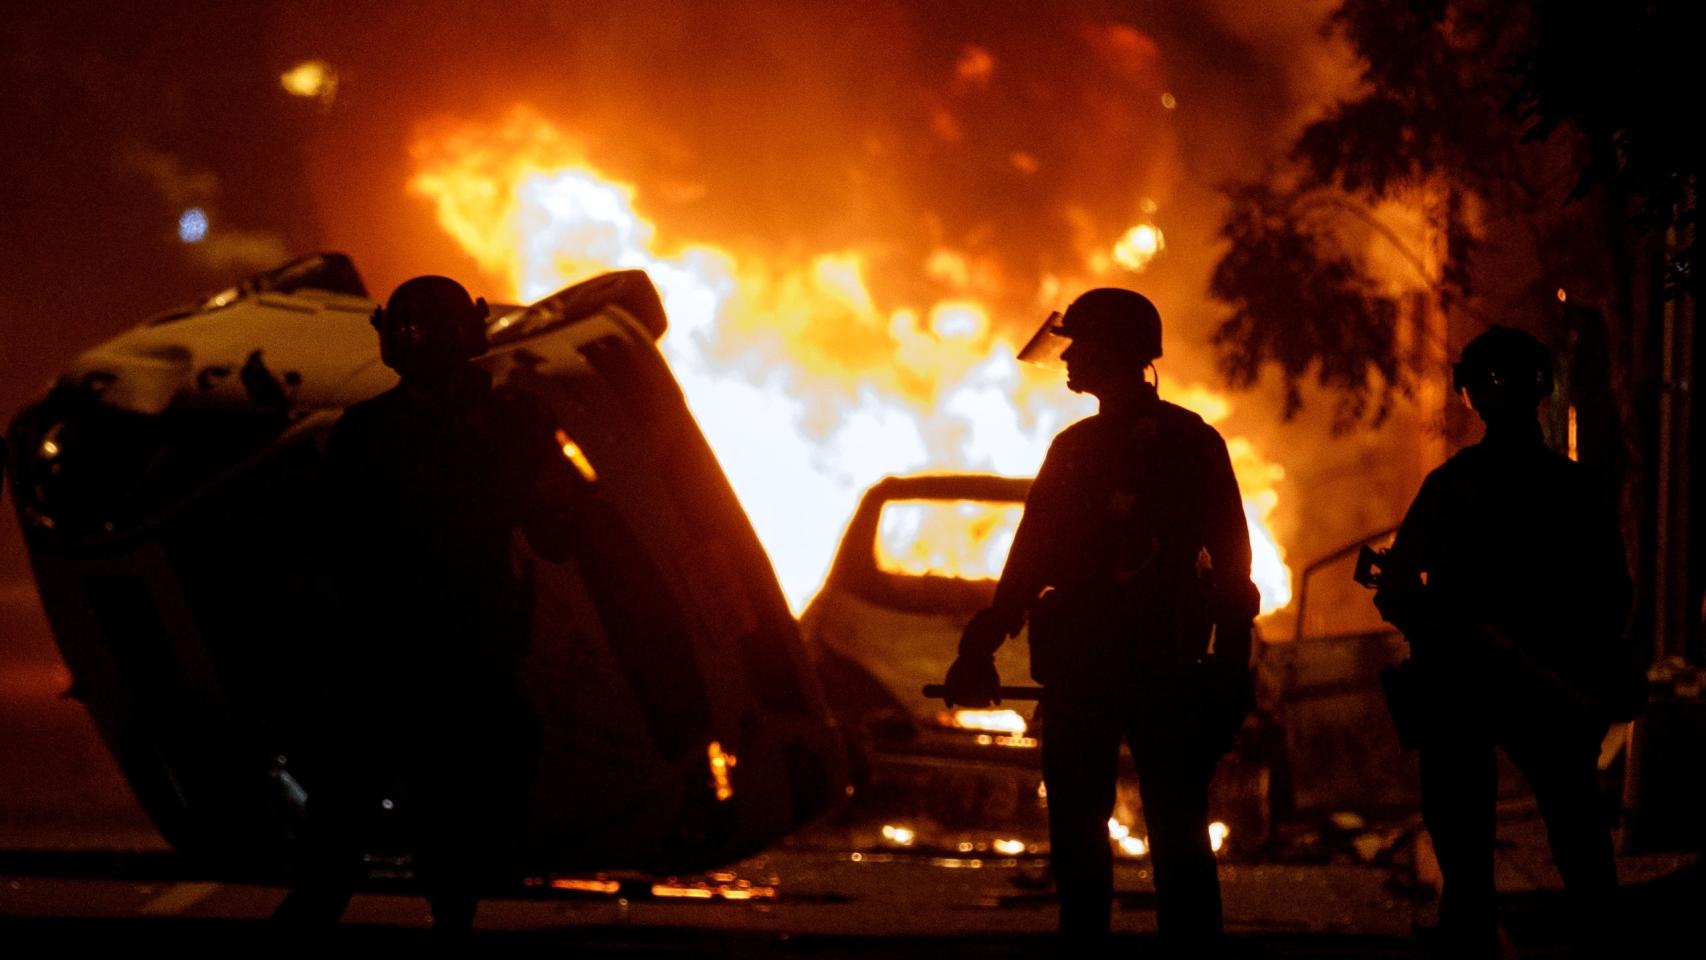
{"x": 994, "y": 151}
{"x": 1023, "y": 140}
{"x": 990, "y": 151}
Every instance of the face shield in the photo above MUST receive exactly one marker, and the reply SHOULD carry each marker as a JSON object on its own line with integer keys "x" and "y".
{"x": 1047, "y": 344}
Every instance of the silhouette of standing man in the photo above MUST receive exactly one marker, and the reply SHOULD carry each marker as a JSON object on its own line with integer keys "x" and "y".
{"x": 426, "y": 484}
{"x": 1133, "y": 557}
{"x": 1508, "y": 577}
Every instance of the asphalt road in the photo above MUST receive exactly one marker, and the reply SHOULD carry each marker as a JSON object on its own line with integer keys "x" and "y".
{"x": 81, "y": 866}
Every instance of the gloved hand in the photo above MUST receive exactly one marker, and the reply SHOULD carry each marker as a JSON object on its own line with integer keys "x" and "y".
{"x": 972, "y": 682}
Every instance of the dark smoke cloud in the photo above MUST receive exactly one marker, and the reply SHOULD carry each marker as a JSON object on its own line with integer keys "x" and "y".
{"x": 809, "y": 127}
{"x": 1023, "y": 135}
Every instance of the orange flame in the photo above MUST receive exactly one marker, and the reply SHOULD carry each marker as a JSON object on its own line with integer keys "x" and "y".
{"x": 1140, "y": 245}
{"x": 807, "y": 390}
{"x": 965, "y": 539}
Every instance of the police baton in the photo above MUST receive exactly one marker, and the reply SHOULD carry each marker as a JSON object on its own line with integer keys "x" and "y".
{"x": 939, "y": 691}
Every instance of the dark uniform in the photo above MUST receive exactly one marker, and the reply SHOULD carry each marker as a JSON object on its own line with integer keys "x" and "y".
{"x": 1515, "y": 642}
{"x": 1136, "y": 531}
{"x": 425, "y": 489}
{"x": 425, "y": 494}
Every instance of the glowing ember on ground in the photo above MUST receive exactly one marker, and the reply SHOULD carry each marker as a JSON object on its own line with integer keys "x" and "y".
{"x": 1127, "y": 843}
{"x": 1023, "y": 743}
{"x": 586, "y": 886}
{"x": 806, "y": 388}
{"x": 673, "y": 890}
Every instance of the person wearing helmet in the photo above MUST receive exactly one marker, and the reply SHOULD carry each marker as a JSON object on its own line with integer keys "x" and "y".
{"x": 1132, "y": 567}
{"x": 1508, "y": 577}
{"x": 425, "y": 485}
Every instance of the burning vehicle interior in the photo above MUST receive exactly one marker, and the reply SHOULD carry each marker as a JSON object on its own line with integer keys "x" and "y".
{"x": 921, "y": 554}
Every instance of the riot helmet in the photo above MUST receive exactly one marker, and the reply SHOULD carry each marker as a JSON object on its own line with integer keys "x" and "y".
{"x": 430, "y": 323}
{"x": 1121, "y": 322}
{"x": 1505, "y": 367}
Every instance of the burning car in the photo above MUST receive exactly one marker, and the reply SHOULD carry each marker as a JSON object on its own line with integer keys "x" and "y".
{"x": 165, "y": 486}
{"x": 919, "y": 557}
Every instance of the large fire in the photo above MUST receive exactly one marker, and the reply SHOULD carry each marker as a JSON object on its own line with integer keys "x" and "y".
{"x": 961, "y": 538}
{"x": 806, "y": 388}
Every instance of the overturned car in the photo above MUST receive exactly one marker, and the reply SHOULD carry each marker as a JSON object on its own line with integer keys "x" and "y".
{"x": 164, "y": 486}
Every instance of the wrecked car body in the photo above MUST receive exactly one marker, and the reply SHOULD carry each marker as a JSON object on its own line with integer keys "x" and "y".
{"x": 166, "y": 486}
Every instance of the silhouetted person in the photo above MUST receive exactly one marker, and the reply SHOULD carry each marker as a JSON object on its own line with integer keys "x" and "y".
{"x": 1508, "y": 578}
{"x": 426, "y": 485}
{"x": 1133, "y": 553}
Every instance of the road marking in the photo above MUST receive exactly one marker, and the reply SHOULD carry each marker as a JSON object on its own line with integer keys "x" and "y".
{"x": 179, "y": 898}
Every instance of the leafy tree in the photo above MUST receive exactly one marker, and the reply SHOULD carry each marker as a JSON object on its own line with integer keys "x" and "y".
{"x": 1430, "y": 120}
{"x": 1552, "y": 143}
{"x": 1567, "y": 125}
{"x": 1339, "y": 325}
{"x": 1622, "y": 76}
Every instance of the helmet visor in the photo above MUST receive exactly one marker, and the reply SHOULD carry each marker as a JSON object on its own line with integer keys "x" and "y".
{"x": 1047, "y": 344}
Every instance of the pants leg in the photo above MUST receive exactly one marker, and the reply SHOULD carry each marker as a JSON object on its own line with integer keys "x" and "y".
{"x": 472, "y": 778}
{"x": 1459, "y": 783}
{"x": 326, "y": 871}
{"x": 449, "y": 850}
{"x": 1173, "y": 773}
{"x": 1081, "y": 743}
{"x": 1561, "y": 766}
{"x": 450, "y": 777}
{"x": 340, "y": 803}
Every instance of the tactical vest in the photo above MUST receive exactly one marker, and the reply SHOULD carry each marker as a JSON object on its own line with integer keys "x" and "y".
{"x": 1127, "y": 602}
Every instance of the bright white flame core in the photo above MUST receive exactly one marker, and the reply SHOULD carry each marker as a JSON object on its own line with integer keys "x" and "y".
{"x": 805, "y": 388}
{"x": 961, "y": 538}
{"x": 1139, "y": 246}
